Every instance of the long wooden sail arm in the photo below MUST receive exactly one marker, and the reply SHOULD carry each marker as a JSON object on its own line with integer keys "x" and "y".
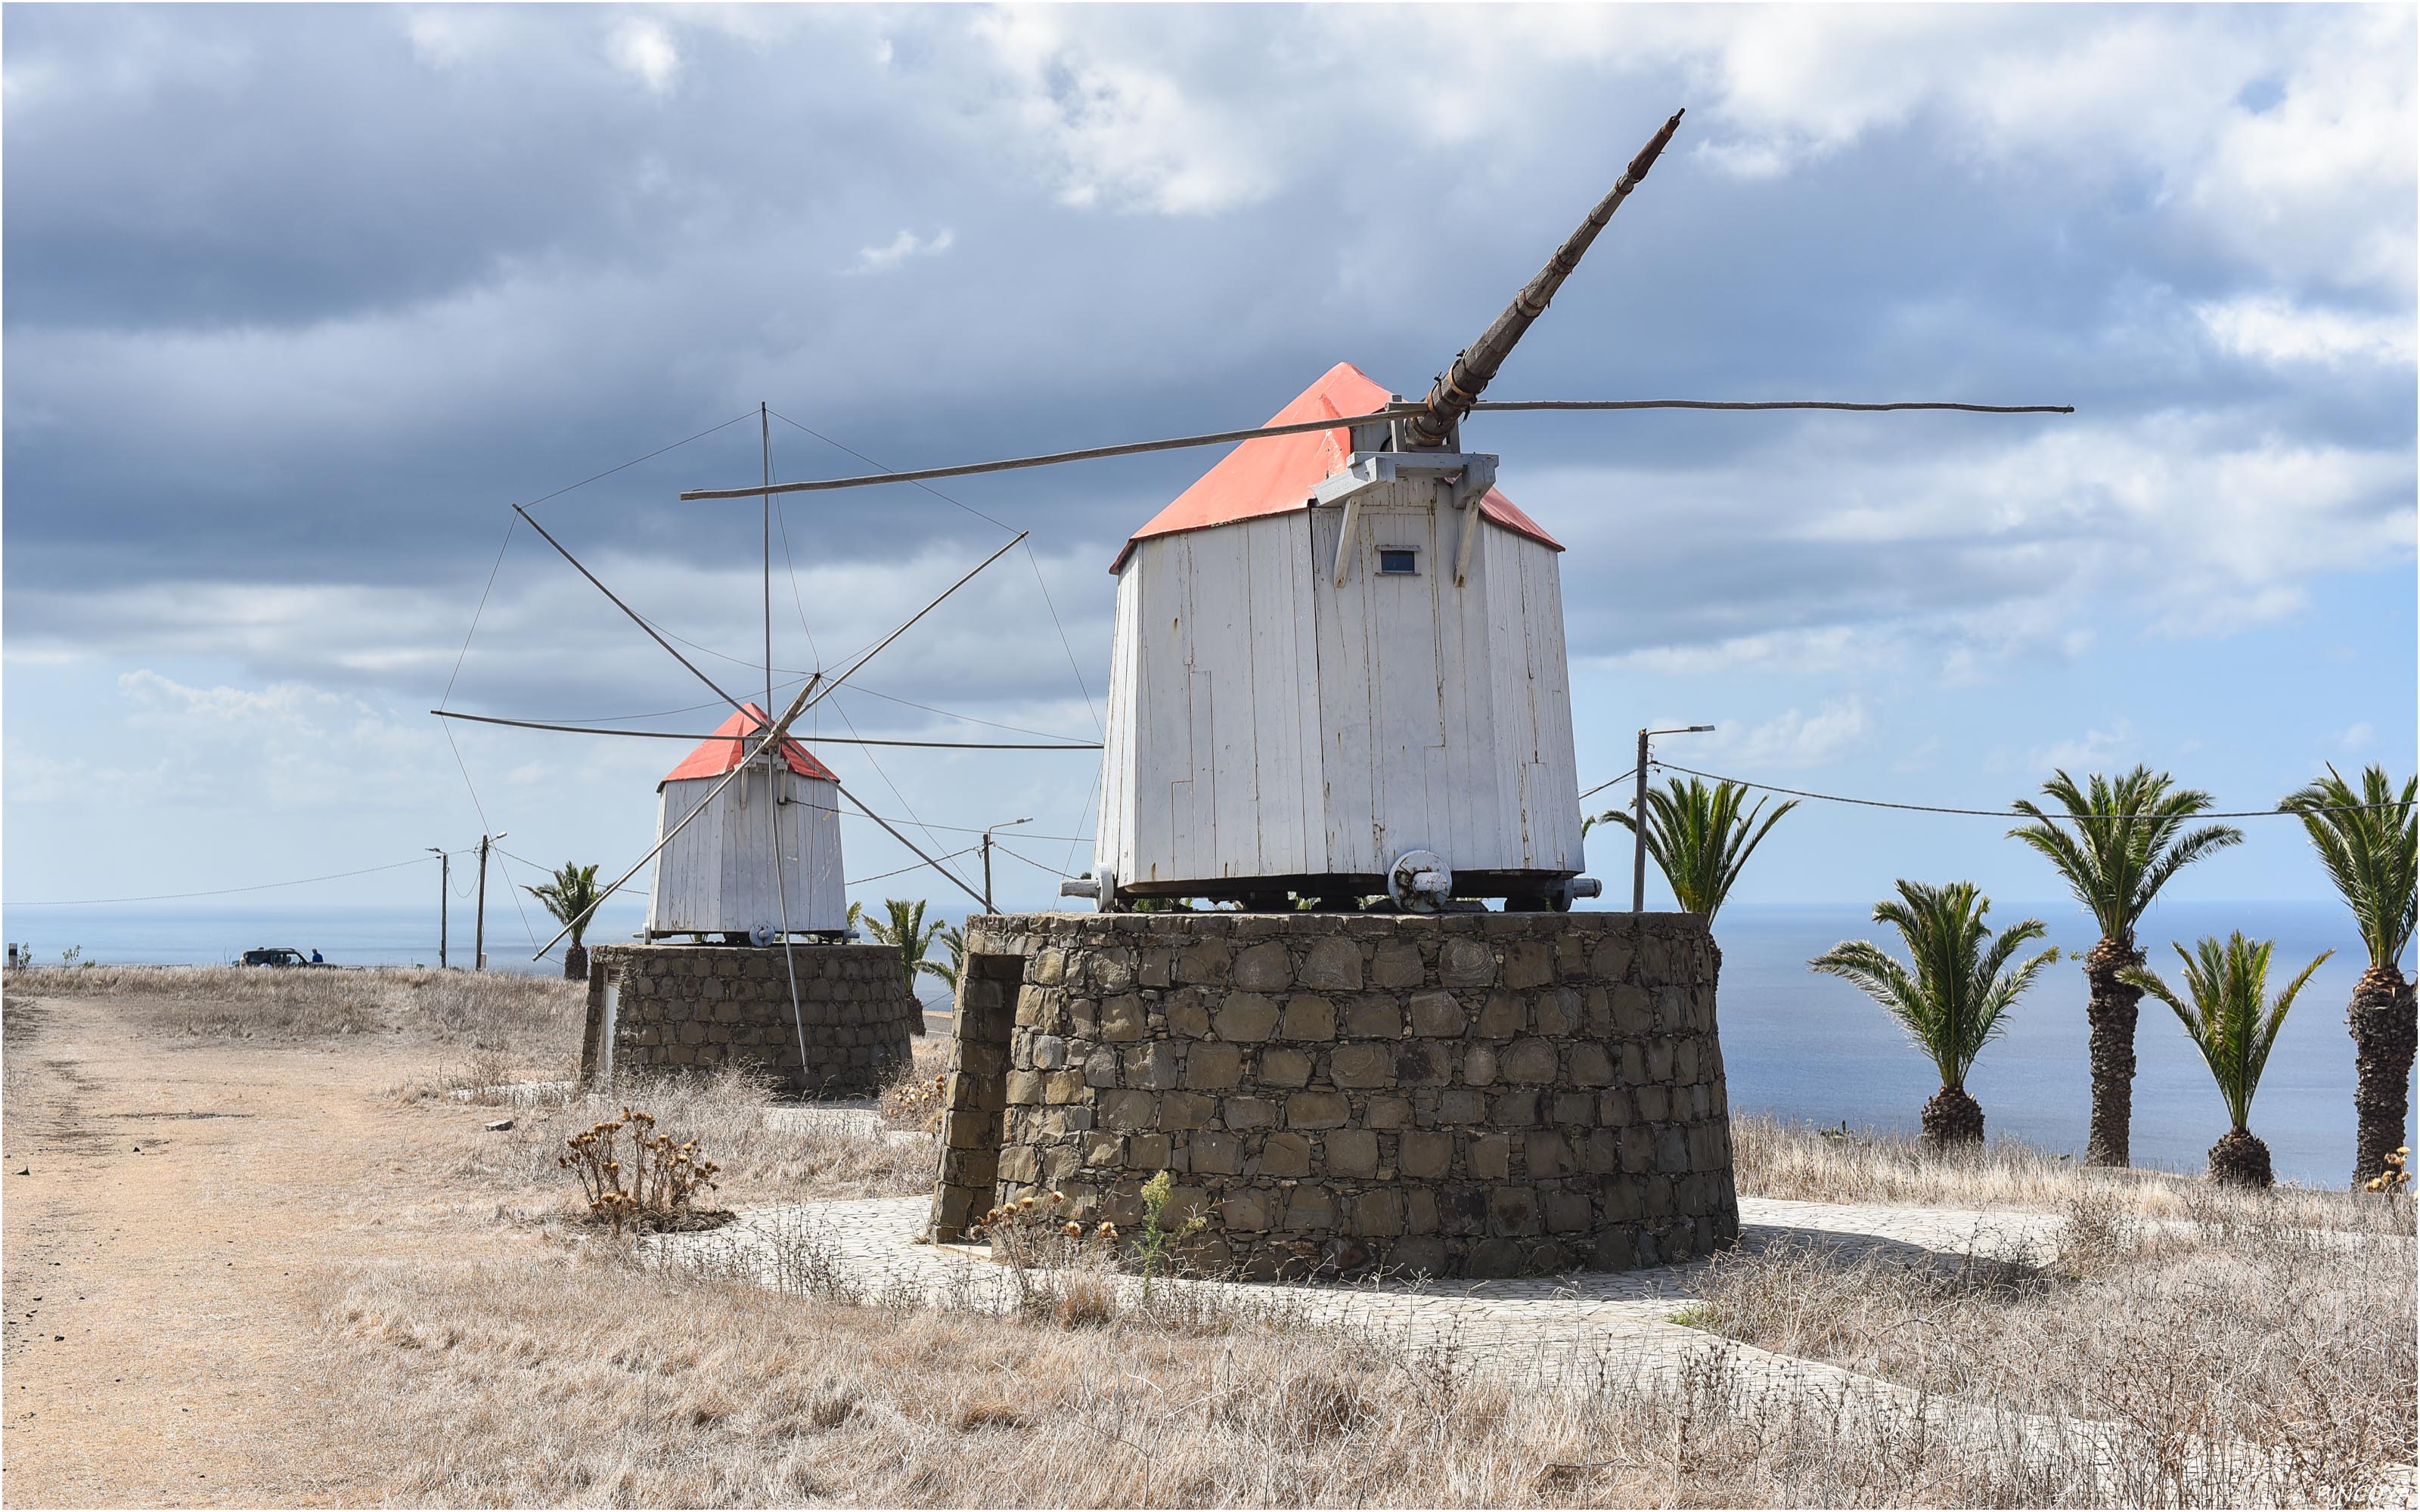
{"x": 1220, "y": 437}
{"x": 1473, "y": 368}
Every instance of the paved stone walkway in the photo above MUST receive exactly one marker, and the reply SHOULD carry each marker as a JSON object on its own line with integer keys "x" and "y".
{"x": 1584, "y": 1325}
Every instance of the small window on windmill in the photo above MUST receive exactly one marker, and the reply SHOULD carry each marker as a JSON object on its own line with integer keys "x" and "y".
{"x": 1398, "y": 562}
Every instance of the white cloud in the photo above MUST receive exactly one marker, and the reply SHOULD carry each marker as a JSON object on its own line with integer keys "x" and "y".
{"x": 2278, "y": 331}
{"x": 2357, "y": 738}
{"x": 2095, "y": 750}
{"x": 1793, "y": 739}
{"x": 445, "y": 37}
{"x": 905, "y": 245}
{"x": 645, "y": 50}
{"x": 1135, "y": 119}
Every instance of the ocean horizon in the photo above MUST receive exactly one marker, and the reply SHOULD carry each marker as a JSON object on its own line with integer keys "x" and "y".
{"x": 1796, "y": 1044}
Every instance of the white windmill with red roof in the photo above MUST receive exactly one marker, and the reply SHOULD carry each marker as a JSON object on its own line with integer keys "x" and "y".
{"x": 717, "y": 874}
{"x": 1337, "y": 669}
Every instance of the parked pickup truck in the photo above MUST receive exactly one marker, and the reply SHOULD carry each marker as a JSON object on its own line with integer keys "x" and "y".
{"x": 279, "y": 958}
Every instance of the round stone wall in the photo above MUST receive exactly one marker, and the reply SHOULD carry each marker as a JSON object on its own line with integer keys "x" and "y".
{"x": 1456, "y": 1094}
{"x": 679, "y": 1008}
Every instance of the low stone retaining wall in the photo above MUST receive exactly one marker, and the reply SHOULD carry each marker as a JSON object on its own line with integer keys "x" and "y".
{"x": 695, "y": 1007}
{"x": 1459, "y": 1094}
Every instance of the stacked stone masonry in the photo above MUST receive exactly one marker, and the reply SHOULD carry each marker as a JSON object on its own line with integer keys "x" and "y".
{"x": 678, "y": 1008}
{"x": 1457, "y": 1094}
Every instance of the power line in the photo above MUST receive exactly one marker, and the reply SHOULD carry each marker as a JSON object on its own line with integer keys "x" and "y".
{"x": 879, "y": 876}
{"x": 1609, "y": 783}
{"x": 1038, "y": 866}
{"x": 2012, "y": 813}
{"x": 220, "y": 892}
{"x": 965, "y": 829}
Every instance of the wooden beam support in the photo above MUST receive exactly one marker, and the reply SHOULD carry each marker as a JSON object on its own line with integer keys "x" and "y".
{"x": 1344, "y": 536}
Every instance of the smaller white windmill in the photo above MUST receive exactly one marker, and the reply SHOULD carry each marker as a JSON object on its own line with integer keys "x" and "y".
{"x": 715, "y": 874}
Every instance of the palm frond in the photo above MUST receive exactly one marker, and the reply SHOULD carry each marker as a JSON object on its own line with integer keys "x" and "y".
{"x": 2222, "y": 1011}
{"x": 1700, "y": 838}
{"x": 2116, "y": 842}
{"x": 1957, "y": 987}
{"x": 572, "y": 893}
{"x": 2368, "y": 842}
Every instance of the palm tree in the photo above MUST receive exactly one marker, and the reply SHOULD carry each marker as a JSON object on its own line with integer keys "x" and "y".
{"x": 954, "y": 940}
{"x": 2370, "y": 841}
{"x": 1950, "y": 1001}
{"x": 2226, "y": 1023}
{"x": 572, "y": 894}
{"x": 2118, "y": 843}
{"x": 907, "y": 932}
{"x": 1700, "y": 838}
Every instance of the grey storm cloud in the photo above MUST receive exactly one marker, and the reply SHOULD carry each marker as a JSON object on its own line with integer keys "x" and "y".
{"x": 299, "y": 298}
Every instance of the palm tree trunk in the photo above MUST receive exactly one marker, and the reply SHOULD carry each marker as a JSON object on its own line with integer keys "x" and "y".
{"x": 2383, "y": 1022}
{"x": 2239, "y": 1158}
{"x": 575, "y": 963}
{"x": 1952, "y": 1118}
{"x": 2112, "y": 1012}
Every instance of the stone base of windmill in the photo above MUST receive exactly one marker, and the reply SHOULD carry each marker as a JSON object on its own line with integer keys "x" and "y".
{"x": 657, "y": 1009}
{"x": 1454, "y": 1094}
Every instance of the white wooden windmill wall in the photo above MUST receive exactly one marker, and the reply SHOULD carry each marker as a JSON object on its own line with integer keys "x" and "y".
{"x": 717, "y": 876}
{"x": 1327, "y": 660}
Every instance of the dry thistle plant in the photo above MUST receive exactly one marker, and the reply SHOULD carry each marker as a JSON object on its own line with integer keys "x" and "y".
{"x": 912, "y": 1099}
{"x": 666, "y": 1175}
{"x": 2391, "y": 1176}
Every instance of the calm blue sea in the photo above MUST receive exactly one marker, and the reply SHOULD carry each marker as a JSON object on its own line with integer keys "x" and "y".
{"x": 1796, "y": 1044}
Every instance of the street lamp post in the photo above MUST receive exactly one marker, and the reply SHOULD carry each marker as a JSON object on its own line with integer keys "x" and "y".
{"x": 987, "y": 855}
{"x": 1639, "y": 816}
{"x": 444, "y": 872}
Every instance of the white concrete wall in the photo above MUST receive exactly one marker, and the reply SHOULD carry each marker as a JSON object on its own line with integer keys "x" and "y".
{"x": 717, "y": 875}
{"x": 1266, "y": 721}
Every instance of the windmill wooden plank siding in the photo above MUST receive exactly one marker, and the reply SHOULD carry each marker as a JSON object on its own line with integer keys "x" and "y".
{"x": 717, "y": 876}
{"x": 1269, "y": 721}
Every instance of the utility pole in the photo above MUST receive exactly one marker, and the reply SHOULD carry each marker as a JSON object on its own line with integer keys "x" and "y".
{"x": 987, "y": 857}
{"x": 480, "y": 946}
{"x": 1639, "y": 816}
{"x": 445, "y": 890}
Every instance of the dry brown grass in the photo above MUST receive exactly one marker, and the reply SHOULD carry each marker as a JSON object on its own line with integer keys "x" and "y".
{"x": 495, "y": 1010}
{"x": 768, "y": 1153}
{"x": 1798, "y": 1161}
{"x": 598, "y": 1383}
{"x": 2234, "y": 1328}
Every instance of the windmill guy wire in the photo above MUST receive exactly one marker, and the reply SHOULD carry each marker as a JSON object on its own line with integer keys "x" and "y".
{"x": 815, "y": 690}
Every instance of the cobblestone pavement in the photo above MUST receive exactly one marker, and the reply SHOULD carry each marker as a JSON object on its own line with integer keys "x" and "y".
{"x": 1583, "y": 1325}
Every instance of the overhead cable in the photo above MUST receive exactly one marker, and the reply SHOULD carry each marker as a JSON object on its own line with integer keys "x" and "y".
{"x": 2014, "y": 813}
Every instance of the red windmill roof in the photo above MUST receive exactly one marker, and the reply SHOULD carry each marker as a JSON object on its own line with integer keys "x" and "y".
{"x": 728, "y": 747}
{"x": 1276, "y": 473}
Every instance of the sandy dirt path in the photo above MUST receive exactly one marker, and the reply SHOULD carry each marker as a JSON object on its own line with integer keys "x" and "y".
{"x": 166, "y": 1202}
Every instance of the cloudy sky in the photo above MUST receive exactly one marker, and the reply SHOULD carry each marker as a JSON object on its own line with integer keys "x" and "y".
{"x": 300, "y": 301}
